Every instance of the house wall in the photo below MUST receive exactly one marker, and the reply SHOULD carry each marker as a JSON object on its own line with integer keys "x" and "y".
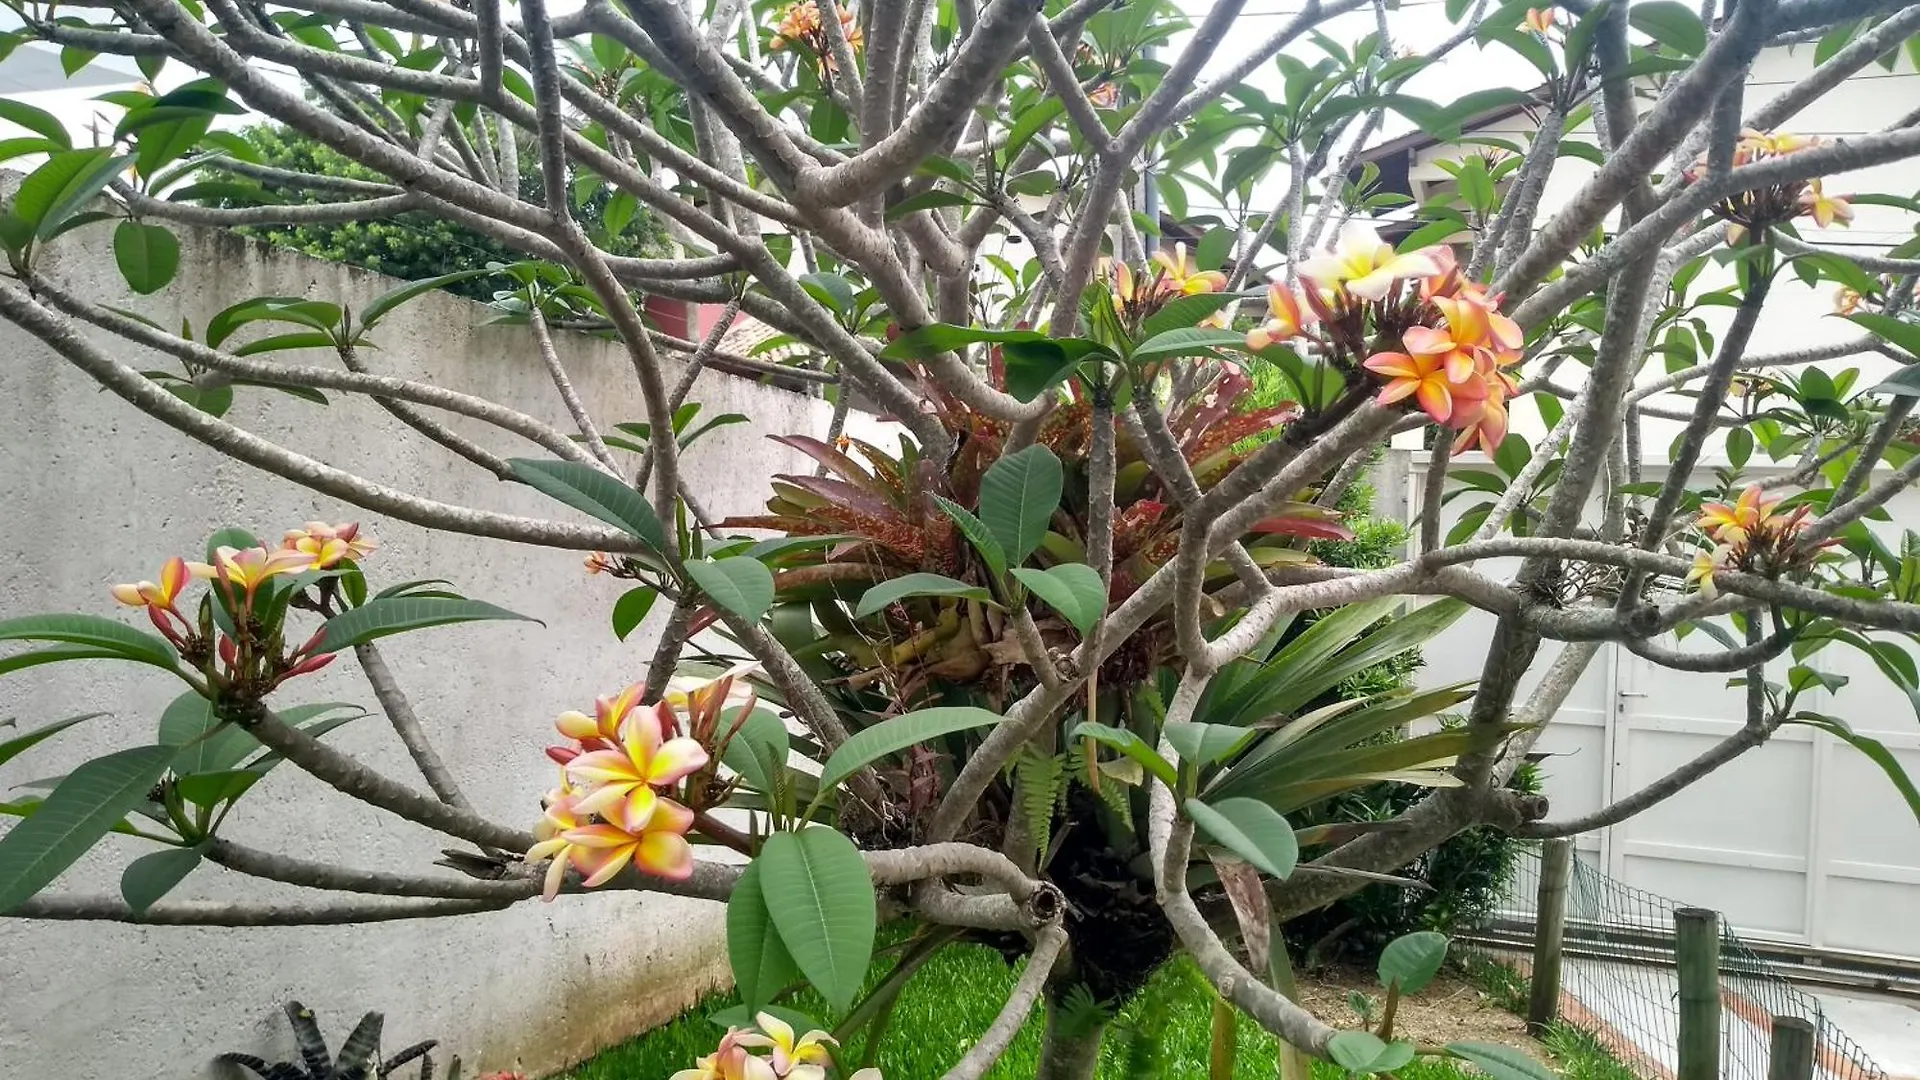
{"x": 93, "y": 492}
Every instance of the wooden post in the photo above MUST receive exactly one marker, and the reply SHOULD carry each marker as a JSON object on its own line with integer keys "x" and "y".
{"x": 1793, "y": 1048}
{"x": 1550, "y": 925}
{"x": 1696, "y": 933}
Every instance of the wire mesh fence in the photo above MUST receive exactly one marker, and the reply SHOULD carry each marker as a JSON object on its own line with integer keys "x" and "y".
{"x": 1618, "y": 981}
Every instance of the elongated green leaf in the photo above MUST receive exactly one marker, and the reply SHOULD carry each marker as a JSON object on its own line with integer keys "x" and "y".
{"x": 210, "y": 789}
{"x": 878, "y": 597}
{"x": 1204, "y": 744}
{"x": 1412, "y": 960}
{"x": 741, "y": 585}
{"x": 1670, "y": 23}
{"x": 822, "y": 902}
{"x": 81, "y": 189}
{"x": 926, "y": 200}
{"x": 631, "y": 609}
{"x": 1363, "y": 1052}
{"x": 148, "y": 255}
{"x": 91, "y": 631}
{"x": 977, "y": 534}
{"x": 150, "y": 877}
{"x": 36, "y": 120}
{"x": 586, "y": 488}
{"x": 758, "y": 751}
{"x": 1072, "y": 589}
{"x": 1030, "y": 122}
{"x": 1018, "y": 496}
{"x": 85, "y": 807}
{"x": 382, "y": 616}
{"x": 870, "y": 744}
{"x": 1187, "y": 341}
{"x": 1501, "y": 1062}
{"x": 20, "y": 744}
{"x": 379, "y": 306}
{"x": 762, "y": 967}
{"x": 1250, "y": 829}
{"x": 1133, "y": 746}
{"x": 54, "y": 655}
{"x": 1183, "y": 312}
{"x": 1875, "y": 750}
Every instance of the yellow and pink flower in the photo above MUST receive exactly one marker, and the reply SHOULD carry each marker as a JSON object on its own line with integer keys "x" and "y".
{"x": 173, "y": 578}
{"x": 1733, "y": 524}
{"x": 1825, "y": 210}
{"x": 645, "y": 759}
{"x": 1286, "y": 317}
{"x": 804, "y": 1058}
{"x": 327, "y": 545}
{"x": 652, "y": 837}
{"x": 1364, "y": 265}
{"x": 247, "y": 570}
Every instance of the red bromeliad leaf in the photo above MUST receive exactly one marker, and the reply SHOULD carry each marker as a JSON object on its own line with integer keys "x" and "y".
{"x": 842, "y": 493}
{"x": 836, "y": 462}
{"x": 1306, "y": 521}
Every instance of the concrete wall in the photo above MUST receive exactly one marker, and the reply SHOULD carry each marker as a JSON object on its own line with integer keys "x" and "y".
{"x": 92, "y": 492}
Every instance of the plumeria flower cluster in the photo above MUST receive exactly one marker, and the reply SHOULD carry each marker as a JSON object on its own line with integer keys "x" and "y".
{"x": 1169, "y": 276}
{"x": 800, "y": 26}
{"x": 611, "y": 807}
{"x": 807, "y": 1057}
{"x": 1751, "y": 534}
{"x": 1774, "y": 204}
{"x": 250, "y": 659}
{"x": 1413, "y": 319}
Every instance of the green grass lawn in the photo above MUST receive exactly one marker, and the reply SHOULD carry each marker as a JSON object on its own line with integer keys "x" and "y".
{"x": 1163, "y": 1032}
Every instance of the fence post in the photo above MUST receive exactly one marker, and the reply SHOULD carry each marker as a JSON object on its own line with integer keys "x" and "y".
{"x": 1793, "y": 1049}
{"x": 1697, "y": 956}
{"x": 1556, "y": 870}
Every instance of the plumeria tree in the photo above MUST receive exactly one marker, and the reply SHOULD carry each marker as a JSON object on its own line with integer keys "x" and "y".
{"x": 1054, "y": 673}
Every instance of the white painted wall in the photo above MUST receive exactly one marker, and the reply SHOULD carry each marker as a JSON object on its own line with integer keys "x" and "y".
{"x": 1803, "y": 840}
{"x": 92, "y": 492}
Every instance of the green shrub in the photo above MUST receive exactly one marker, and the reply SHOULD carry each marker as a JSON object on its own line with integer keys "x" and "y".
{"x": 408, "y": 246}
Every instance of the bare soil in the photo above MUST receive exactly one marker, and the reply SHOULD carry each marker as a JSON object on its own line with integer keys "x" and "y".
{"x": 1448, "y": 1009}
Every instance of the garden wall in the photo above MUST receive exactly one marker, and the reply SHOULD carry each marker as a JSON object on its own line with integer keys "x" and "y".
{"x": 92, "y": 492}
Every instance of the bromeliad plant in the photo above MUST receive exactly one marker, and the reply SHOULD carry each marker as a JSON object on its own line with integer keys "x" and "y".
{"x": 1005, "y": 677}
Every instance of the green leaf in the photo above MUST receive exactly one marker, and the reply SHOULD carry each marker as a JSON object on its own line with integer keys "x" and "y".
{"x": 870, "y": 744}
{"x": 93, "y": 631}
{"x": 1183, "y": 312}
{"x": 824, "y": 907}
{"x": 186, "y": 724}
{"x": 85, "y": 807}
{"x": 878, "y": 597}
{"x": 35, "y": 120}
{"x": 1501, "y": 1062}
{"x": 1072, "y": 589}
{"x": 926, "y": 200}
{"x": 379, "y": 306}
{"x": 81, "y": 188}
{"x": 1187, "y": 341}
{"x": 210, "y": 789}
{"x": 631, "y": 609}
{"x": 1874, "y": 749}
{"x": 1018, "y": 496}
{"x": 1670, "y": 23}
{"x": 758, "y": 751}
{"x": 1250, "y": 829}
{"x": 1739, "y": 447}
{"x": 1130, "y": 744}
{"x": 1412, "y": 960}
{"x": 742, "y": 585}
{"x": 382, "y": 616}
{"x": 24, "y": 660}
{"x": 148, "y": 255}
{"x": 1897, "y": 332}
{"x": 1363, "y": 1052}
{"x": 762, "y": 967}
{"x": 832, "y": 290}
{"x": 588, "y": 489}
{"x": 960, "y": 172}
{"x": 1204, "y": 744}
{"x": 20, "y": 744}
{"x": 977, "y": 533}
{"x": 150, "y": 877}
{"x": 1030, "y": 122}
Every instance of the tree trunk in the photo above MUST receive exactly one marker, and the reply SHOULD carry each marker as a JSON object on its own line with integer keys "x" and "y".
{"x": 1069, "y": 1051}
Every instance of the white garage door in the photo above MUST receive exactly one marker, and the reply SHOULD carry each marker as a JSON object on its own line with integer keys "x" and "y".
{"x": 1803, "y": 840}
